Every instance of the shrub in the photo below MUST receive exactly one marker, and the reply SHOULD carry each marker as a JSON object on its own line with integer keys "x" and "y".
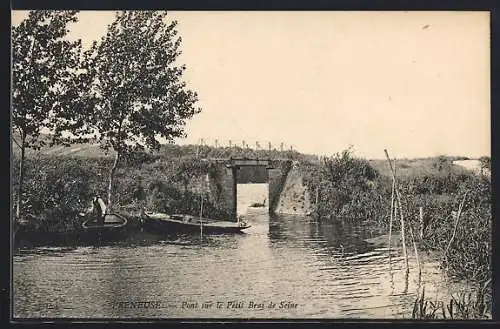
{"x": 55, "y": 191}
{"x": 347, "y": 187}
{"x": 468, "y": 256}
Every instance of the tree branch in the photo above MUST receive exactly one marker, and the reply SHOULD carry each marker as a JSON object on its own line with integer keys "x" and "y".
{"x": 20, "y": 131}
{"x": 17, "y": 143}
{"x": 20, "y": 135}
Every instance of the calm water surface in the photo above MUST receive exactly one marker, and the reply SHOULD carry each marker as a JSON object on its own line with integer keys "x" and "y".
{"x": 325, "y": 270}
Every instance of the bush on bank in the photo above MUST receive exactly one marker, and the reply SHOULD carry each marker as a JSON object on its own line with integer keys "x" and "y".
{"x": 468, "y": 255}
{"x": 346, "y": 187}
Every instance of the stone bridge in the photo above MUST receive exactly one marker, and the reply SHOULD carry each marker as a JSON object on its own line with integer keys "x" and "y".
{"x": 286, "y": 191}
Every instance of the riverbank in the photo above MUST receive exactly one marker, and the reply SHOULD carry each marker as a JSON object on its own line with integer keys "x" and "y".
{"x": 57, "y": 188}
{"x": 355, "y": 190}
{"x": 446, "y": 208}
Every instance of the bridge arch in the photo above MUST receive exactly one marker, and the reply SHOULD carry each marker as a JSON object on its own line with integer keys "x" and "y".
{"x": 223, "y": 181}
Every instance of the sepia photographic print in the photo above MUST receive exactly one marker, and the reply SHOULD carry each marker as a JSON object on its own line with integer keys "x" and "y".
{"x": 251, "y": 165}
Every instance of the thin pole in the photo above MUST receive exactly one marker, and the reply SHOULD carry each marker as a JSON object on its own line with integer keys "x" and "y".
{"x": 405, "y": 253}
{"x": 416, "y": 253}
{"x": 398, "y": 198}
{"x": 455, "y": 227}
{"x": 390, "y": 220}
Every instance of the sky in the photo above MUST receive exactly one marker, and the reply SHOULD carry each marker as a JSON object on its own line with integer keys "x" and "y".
{"x": 414, "y": 83}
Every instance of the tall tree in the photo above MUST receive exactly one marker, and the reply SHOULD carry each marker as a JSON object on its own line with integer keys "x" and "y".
{"x": 137, "y": 91}
{"x": 44, "y": 67}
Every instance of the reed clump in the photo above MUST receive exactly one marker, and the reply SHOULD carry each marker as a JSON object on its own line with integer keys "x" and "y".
{"x": 461, "y": 306}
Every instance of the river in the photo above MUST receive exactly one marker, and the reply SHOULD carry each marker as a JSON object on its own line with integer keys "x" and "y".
{"x": 304, "y": 268}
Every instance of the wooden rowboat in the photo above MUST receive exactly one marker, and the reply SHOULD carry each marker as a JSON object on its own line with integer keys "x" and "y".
{"x": 112, "y": 222}
{"x": 187, "y": 223}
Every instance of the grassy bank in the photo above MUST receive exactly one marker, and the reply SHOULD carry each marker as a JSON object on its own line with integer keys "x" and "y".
{"x": 57, "y": 188}
{"x": 359, "y": 190}
{"x": 61, "y": 180}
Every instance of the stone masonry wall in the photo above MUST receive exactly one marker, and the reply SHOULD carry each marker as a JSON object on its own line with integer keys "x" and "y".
{"x": 221, "y": 185}
{"x": 294, "y": 198}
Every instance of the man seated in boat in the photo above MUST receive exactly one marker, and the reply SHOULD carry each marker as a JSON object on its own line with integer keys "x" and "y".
{"x": 97, "y": 210}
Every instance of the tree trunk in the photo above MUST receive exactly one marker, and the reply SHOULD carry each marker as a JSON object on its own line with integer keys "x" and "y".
{"x": 111, "y": 180}
{"x": 21, "y": 178}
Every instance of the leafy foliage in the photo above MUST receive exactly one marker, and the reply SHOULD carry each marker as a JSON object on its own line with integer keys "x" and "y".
{"x": 136, "y": 92}
{"x": 345, "y": 186}
{"x": 56, "y": 191}
{"x": 43, "y": 74}
{"x": 470, "y": 251}
{"x": 44, "y": 81}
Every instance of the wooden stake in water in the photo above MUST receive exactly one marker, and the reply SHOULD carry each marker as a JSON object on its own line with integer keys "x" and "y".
{"x": 403, "y": 236}
{"x": 393, "y": 213}
{"x": 398, "y": 199}
{"x": 390, "y": 220}
{"x": 416, "y": 254}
